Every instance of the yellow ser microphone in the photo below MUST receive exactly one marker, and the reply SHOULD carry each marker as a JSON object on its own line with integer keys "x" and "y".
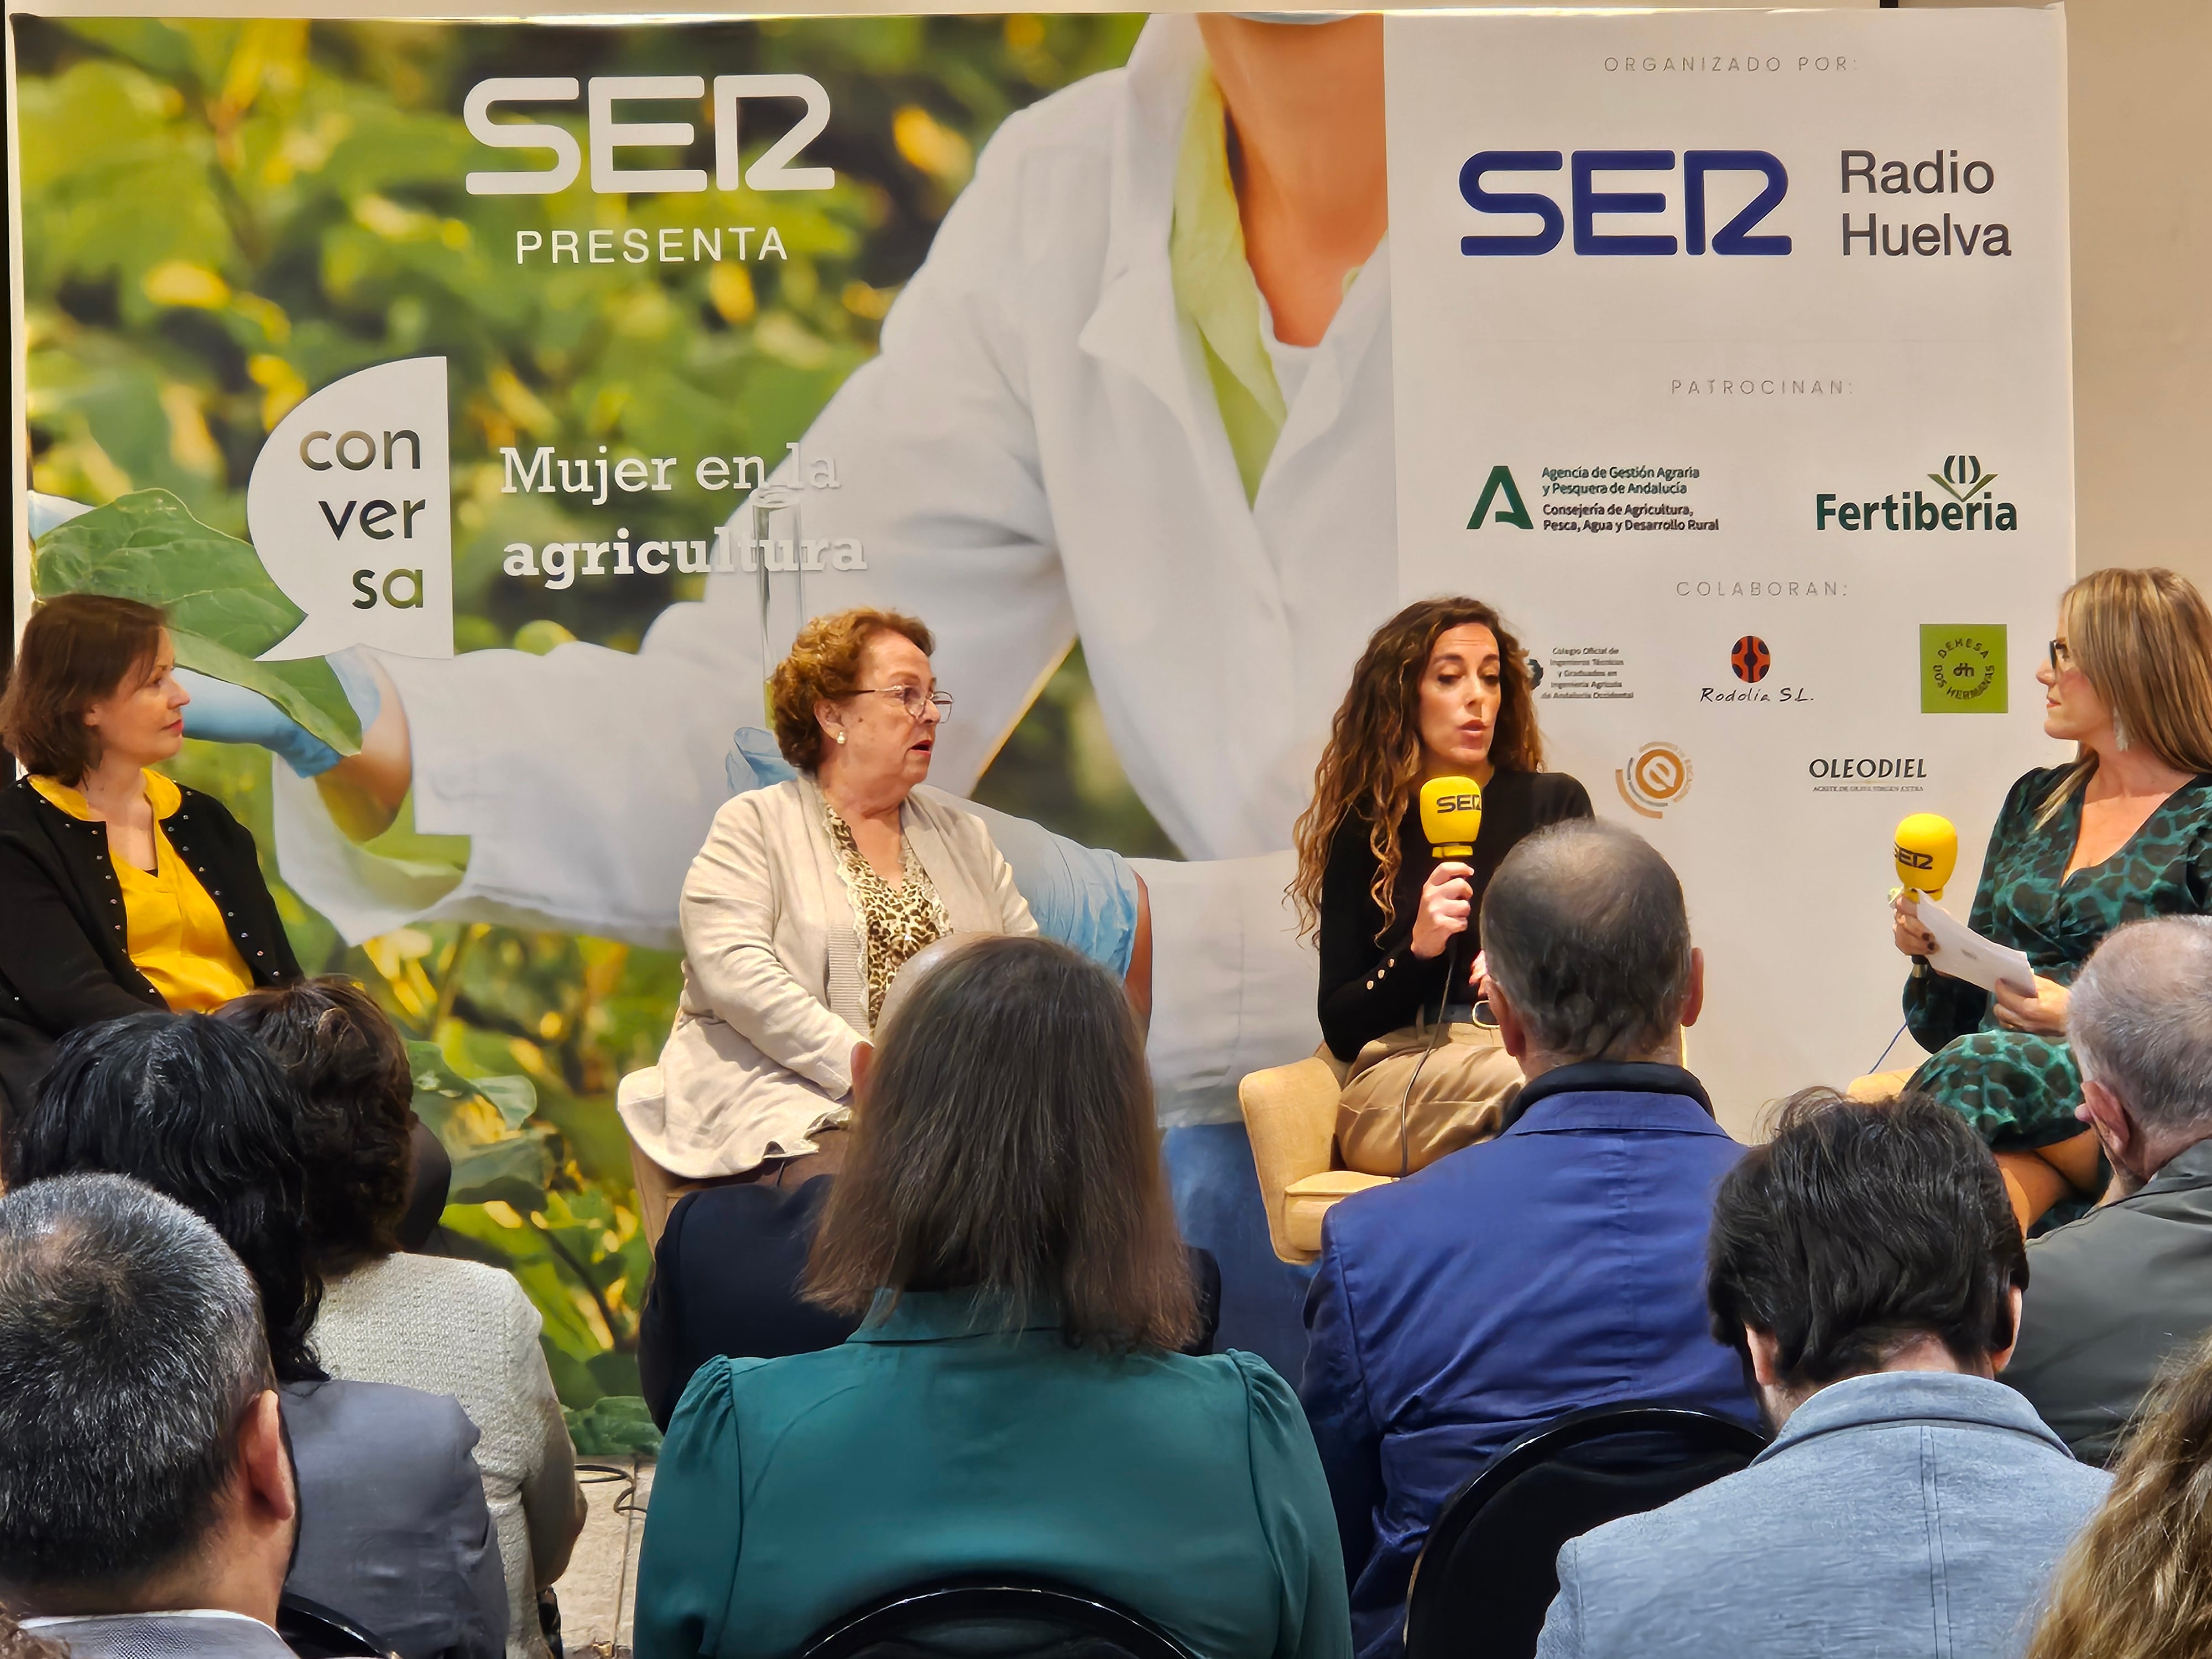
{"x": 1451, "y": 816}
{"x": 1927, "y": 852}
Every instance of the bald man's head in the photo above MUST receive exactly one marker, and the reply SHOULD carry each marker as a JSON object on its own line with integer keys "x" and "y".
{"x": 1588, "y": 939}
{"x": 2140, "y": 1020}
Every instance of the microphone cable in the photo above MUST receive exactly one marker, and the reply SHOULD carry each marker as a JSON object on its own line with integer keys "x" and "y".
{"x": 1443, "y": 1001}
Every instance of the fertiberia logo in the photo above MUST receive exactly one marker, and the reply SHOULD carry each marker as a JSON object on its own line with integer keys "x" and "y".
{"x": 1972, "y": 504}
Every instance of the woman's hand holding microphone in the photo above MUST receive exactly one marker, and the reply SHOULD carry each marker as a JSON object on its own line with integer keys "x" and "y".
{"x": 1912, "y": 935}
{"x": 1446, "y": 907}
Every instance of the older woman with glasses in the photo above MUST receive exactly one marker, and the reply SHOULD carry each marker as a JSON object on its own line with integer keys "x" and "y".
{"x": 2123, "y": 831}
{"x": 806, "y": 900}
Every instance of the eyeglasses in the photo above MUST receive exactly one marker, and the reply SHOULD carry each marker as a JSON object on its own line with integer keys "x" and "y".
{"x": 2061, "y": 657}
{"x": 913, "y": 699}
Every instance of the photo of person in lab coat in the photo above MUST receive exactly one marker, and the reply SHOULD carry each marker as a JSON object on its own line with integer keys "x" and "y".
{"x": 1139, "y": 393}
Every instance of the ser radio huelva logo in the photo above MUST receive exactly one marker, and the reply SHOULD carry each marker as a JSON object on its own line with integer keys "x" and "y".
{"x": 1965, "y": 499}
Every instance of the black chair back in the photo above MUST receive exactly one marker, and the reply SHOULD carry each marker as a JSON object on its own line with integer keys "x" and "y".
{"x": 1488, "y": 1571}
{"x": 994, "y": 1618}
{"x": 312, "y": 1631}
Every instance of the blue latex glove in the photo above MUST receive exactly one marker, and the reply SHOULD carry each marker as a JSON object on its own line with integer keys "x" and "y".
{"x": 1085, "y": 897}
{"x": 222, "y": 712}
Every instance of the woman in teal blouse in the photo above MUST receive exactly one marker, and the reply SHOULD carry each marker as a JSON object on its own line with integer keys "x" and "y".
{"x": 2123, "y": 832}
{"x": 1013, "y": 1403}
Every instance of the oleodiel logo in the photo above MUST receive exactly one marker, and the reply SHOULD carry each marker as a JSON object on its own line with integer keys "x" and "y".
{"x": 1972, "y": 504}
{"x": 1656, "y": 776}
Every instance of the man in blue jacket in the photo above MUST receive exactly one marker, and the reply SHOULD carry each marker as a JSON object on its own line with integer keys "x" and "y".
{"x": 1561, "y": 1265}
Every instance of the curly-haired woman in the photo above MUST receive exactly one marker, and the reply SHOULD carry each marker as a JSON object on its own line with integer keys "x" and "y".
{"x": 806, "y": 900}
{"x": 1441, "y": 690}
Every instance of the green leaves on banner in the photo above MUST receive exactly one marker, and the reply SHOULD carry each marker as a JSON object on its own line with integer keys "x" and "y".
{"x": 485, "y": 1126}
{"x": 224, "y": 611}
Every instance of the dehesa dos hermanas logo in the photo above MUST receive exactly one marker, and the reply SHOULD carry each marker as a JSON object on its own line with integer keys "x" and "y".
{"x": 1971, "y": 504}
{"x": 1656, "y": 776}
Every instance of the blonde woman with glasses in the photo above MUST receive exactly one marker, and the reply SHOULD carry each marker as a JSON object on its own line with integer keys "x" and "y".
{"x": 2123, "y": 831}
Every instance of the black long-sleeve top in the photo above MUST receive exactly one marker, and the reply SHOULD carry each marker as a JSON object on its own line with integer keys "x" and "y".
{"x": 1371, "y": 982}
{"x": 65, "y": 951}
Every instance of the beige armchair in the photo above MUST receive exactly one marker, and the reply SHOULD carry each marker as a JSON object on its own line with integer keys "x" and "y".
{"x": 1290, "y": 1113}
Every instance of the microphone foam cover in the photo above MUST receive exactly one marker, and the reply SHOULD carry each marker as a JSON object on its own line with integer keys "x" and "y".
{"x": 1927, "y": 852}
{"x": 1451, "y": 815}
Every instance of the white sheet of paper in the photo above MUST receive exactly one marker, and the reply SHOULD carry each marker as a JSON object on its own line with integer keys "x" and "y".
{"x": 1964, "y": 954}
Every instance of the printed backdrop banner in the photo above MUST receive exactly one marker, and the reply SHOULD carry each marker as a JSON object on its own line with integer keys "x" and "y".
{"x": 490, "y": 402}
{"x": 1733, "y": 366}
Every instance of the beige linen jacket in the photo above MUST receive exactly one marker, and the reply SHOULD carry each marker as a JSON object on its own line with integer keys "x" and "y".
{"x": 773, "y": 993}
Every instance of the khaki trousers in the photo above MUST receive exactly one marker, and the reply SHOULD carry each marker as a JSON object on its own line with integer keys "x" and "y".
{"x": 1462, "y": 1095}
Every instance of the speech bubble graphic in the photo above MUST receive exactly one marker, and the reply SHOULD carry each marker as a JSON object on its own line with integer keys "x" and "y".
{"x": 350, "y": 507}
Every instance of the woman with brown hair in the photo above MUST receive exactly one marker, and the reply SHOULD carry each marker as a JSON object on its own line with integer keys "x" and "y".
{"x": 419, "y": 1322}
{"x": 122, "y": 890}
{"x": 2123, "y": 831}
{"x": 1013, "y": 1403}
{"x": 2134, "y": 1583}
{"x": 1441, "y": 690}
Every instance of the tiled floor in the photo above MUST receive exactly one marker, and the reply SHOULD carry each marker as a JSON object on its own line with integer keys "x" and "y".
{"x": 598, "y": 1593}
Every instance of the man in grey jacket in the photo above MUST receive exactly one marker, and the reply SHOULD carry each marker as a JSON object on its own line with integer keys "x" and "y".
{"x": 1866, "y": 1264}
{"x": 147, "y": 1502}
{"x": 2131, "y": 1283}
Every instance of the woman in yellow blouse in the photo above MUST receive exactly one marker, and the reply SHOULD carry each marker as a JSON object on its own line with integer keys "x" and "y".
{"x": 122, "y": 890}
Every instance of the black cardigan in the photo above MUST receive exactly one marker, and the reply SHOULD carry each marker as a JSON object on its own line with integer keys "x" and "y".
{"x": 1370, "y": 982}
{"x": 65, "y": 952}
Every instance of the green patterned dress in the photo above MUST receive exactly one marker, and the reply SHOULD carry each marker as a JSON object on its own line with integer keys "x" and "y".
{"x": 2018, "y": 1089}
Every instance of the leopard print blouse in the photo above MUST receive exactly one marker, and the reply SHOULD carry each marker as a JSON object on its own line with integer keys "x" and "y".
{"x": 896, "y": 922}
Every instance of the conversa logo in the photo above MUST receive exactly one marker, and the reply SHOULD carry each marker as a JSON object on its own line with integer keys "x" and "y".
{"x": 1973, "y": 505}
{"x": 1499, "y": 491}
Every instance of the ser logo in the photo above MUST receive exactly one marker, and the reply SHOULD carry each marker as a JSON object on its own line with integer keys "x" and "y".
{"x": 1588, "y": 202}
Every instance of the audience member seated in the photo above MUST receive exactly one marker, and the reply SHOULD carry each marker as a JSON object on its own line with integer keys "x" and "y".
{"x": 428, "y": 1322}
{"x": 1867, "y": 1266}
{"x": 808, "y": 897}
{"x": 2120, "y": 1290}
{"x": 147, "y": 1503}
{"x": 1013, "y": 1402}
{"x": 394, "y": 1530}
{"x": 1559, "y": 1266}
{"x": 2134, "y": 1586}
{"x": 123, "y": 890}
{"x": 726, "y": 1277}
